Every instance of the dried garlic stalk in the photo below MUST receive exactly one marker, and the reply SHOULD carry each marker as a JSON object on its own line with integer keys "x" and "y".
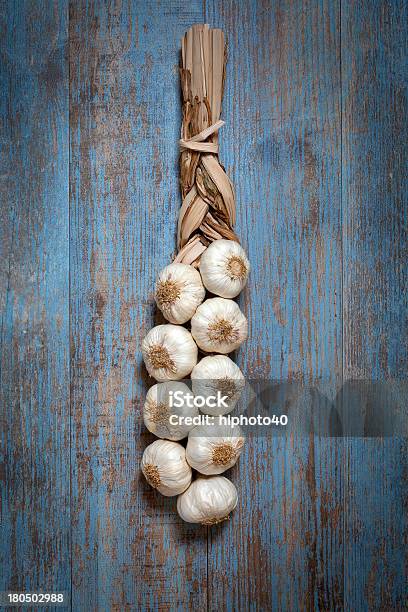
{"x": 208, "y": 209}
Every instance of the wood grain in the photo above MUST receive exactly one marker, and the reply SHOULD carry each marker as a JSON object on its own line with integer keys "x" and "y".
{"x": 374, "y": 134}
{"x": 130, "y": 548}
{"x": 314, "y": 141}
{"x": 34, "y": 385}
{"x": 282, "y": 146}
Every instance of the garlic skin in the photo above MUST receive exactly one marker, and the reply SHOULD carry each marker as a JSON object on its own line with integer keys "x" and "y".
{"x": 217, "y": 373}
{"x": 165, "y": 467}
{"x": 169, "y": 352}
{"x": 208, "y": 500}
{"x": 219, "y": 326}
{"x": 213, "y": 449}
{"x": 179, "y": 290}
{"x": 157, "y": 411}
{"x": 224, "y": 268}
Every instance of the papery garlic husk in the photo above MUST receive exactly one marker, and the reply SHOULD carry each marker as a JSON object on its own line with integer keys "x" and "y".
{"x": 208, "y": 500}
{"x": 224, "y": 268}
{"x": 169, "y": 352}
{"x": 179, "y": 290}
{"x": 217, "y": 373}
{"x": 213, "y": 449}
{"x": 158, "y": 409}
{"x": 219, "y": 326}
{"x": 165, "y": 467}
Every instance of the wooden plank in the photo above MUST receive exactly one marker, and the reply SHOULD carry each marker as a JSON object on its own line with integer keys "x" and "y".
{"x": 130, "y": 549}
{"x": 282, "y": 548}
{"x": 374, "y": 52}
{"x": 34, "y": 247}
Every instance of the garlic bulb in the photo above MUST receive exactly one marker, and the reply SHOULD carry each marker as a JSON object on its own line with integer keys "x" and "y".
{"x": 219, "y": 326}
{"x": 161, "y": 404}
{"x": 224, "y": 268}
{"x": 208, "y": 500}
{"x": 218, "y": 373}
{"x": 212, "y": 449}
{"x": 165, "y": 467}
{"x": 179, "y": 290}
{"x": 169, "y": 352}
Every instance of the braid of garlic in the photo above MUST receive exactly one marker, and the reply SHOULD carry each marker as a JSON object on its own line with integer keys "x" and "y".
{"x": 208, "y": 209}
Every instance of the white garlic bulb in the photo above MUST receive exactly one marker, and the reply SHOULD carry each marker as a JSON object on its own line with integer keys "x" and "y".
{"x": 217, "y": 373}
{"x": 169, "y": 352}
{"x": 165, "y": 467}
{"x": 208, "y": 500}
{"x": 212, "y": 449}
{"x": 162, "y": 403}
{"x": 179, "y": 290}
{"x": 219, "y": 326}
{"x": 224, "y": 268}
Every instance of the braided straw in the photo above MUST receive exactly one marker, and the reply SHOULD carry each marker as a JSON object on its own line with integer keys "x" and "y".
{"x": 208, "y": 209}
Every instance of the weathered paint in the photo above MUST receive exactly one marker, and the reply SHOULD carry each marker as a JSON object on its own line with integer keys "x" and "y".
{"x": 282, "y": 147}
{"x": 375, "y": 311}
{"x": 34, "y": 260}
{"x": 314, "y": 106}
{"x": 130, "y": 548}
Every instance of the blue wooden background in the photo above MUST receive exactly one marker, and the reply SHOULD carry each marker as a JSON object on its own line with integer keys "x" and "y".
{"x": 316, "y": 129}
